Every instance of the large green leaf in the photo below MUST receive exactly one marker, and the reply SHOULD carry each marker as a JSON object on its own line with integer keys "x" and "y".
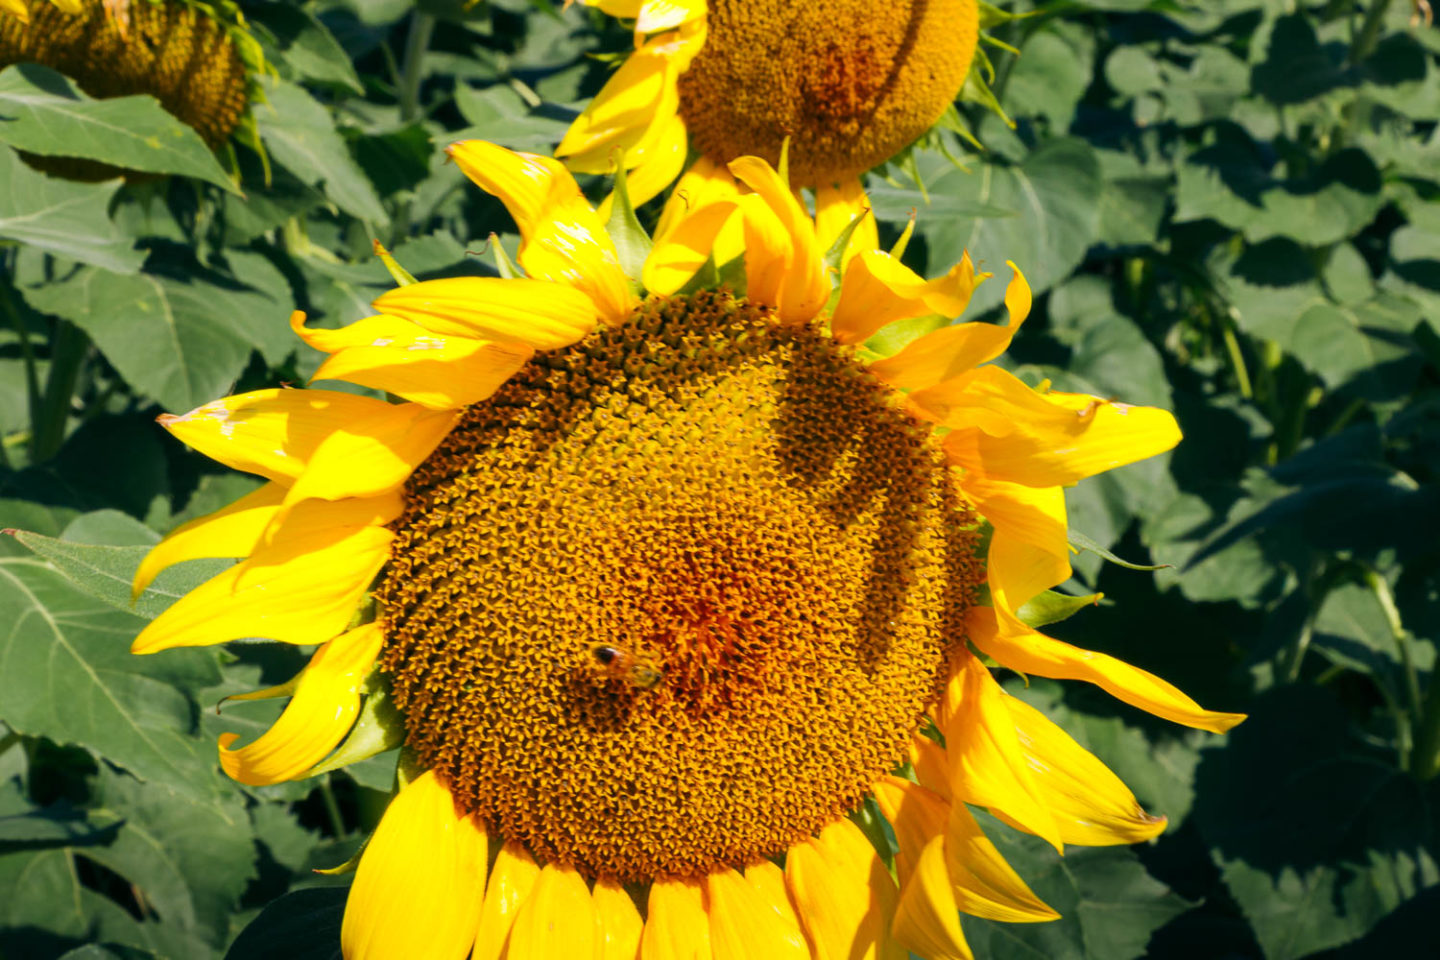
{"x": 304, "y": 925}
{"x": 182, "y": 342}
{"x": 1315, "y": 839}
{"x": 301, "y": 135}
{"x": 105, "y": 572}
{"x": 1109, "y": 906}
{"x": 1054, "y": 198}
{"x": 43, "y": 112}
{"x": 191, "y": 858}
{"x": 66, "y": 672}
{"x": 63, "y": 218}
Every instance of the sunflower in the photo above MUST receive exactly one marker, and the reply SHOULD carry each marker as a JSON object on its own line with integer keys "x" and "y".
{"x": 197, "y": 59}
{"x": 849, "y": 84}
{"x": 667, "y": 587}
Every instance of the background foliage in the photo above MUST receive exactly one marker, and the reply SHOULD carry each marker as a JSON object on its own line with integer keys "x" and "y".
{"x": 1230, "y": 208}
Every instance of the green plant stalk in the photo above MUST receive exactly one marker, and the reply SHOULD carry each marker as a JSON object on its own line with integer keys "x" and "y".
{"x": 1400, "y": 635}
{"x": 1426, "y": 754}
{"x": 27, "y": 353}
{"x": 71, "y": 346}
{"x": 412, "y": 75}
{"x": 1364, "y": 43}
{"x": 1237, "y": 358}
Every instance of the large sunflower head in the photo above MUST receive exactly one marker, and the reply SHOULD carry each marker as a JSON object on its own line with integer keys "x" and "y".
{"x": 197, "y": 59}
{"x": 667, "y": 579}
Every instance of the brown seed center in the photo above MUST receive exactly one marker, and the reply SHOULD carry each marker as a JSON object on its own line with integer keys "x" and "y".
{"x": 676, "y": 595}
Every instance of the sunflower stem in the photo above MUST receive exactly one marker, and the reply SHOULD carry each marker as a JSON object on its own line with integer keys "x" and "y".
{"x": 27, "y": 352}
{"x": 1426, "y": 752}
{"x": 67, "y": 355}
{"x": 412, "y": 75}
{"x": 1400, "y": 635}
{"x": 332, "y": 807}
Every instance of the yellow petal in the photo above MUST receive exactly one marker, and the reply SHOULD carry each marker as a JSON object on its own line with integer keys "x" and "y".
{"x": 511, "y": 880}
{"x": 844, "y": 895}
{"x": 1029, "y": 550}
{"x": 315, "y": 525}
{"x": 556, "y": 921}
{"x": 659, "y": 160}
{"x": 835, "y": 207}
{"x": 423, "y": 871}
{"x": 655, "y": 15}
{"x": 1091, "y": 804}
{"x": 988, "y": 768}
{"x": 981, "y": 882}
{"x": 985, "y": 885}
{"x": 318, "y": 716}
{"x": 637, "y": 98}
{"x": 769, "y": 881}
{"x": 434, "y": 370}
{"x": 926, "y": 921}
{"x": 932, "y": 769}
{"x": 306, "y": 597}
{"x": 538, "y": 313}
{"x": 703, "y": 184}
{"x": 1020, "y": 648}
{"x": 686, "y": 247}
{"x": 269, "y": 432}
{"x": 950, "y": 351}
{"x": 617, "y": 922}
{"x": 562, "y": 239}
{"x": 374, "y": 454}
{"x": 677, "y": 927}
{"x": 229, "y": 532}
{"x": 1041, "y": 440}
{"x": 784, "y": 265}
{"x": 877, "y": 289}
{"x": 19, "y": 9}
{"x": 744, "y": 925}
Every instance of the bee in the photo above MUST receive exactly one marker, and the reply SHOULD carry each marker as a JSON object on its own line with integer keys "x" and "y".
{"x": 624, "y": 665}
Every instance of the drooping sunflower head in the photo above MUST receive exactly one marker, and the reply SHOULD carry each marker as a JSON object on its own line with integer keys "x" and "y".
{"x": 846, "y": 86}
{"x": 197, "y": 59}
{"x": 665, "y": 588}
{"x": 851, "y": 84}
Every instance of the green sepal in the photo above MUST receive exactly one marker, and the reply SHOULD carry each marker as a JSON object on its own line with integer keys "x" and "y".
{"x": 399, "y": 274}
{"x": 378, "y": 728}
{"x": 706, "y": 278}
{"x": 268, "y": 693}
{"x": 733, "y": 276}
{"x": 1049, "y": 607}
{"x": 632, "y": 243}
{"x": 836, "y": 252}
{"x": 503, "y": 264}
{"x": 349, "y": 866}
{"x": 1079, "y": 541}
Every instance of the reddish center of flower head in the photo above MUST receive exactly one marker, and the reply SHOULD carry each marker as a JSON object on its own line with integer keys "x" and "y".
{"x": 850, "y": 82}
{"x": 675, "y": 596}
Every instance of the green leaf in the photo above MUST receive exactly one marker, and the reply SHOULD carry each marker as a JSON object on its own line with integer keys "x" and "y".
{"x": 191, "y": 858}
{"x": 499, "y": 114}
{"x": 182, "y": 342}
{"x": 60, "y": 824}
{"x": 43, "y": 112}
{"x": 300, "y": 134}
{"x": 302, "y": 42}
{"x": 1049, "y": 607}
{"x": 1315, "y": 840}
{"x": 67, "y": 219}
{"x": 1053, "y": 195}
{"x": 1296, "y": 67}
{"x": 1109, "y": 906}
{"x": 1051, "y": 74}
{"x": 66, "y": 672}
{"x": 303, "y": 925}
{"x": 105, "y": 572}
